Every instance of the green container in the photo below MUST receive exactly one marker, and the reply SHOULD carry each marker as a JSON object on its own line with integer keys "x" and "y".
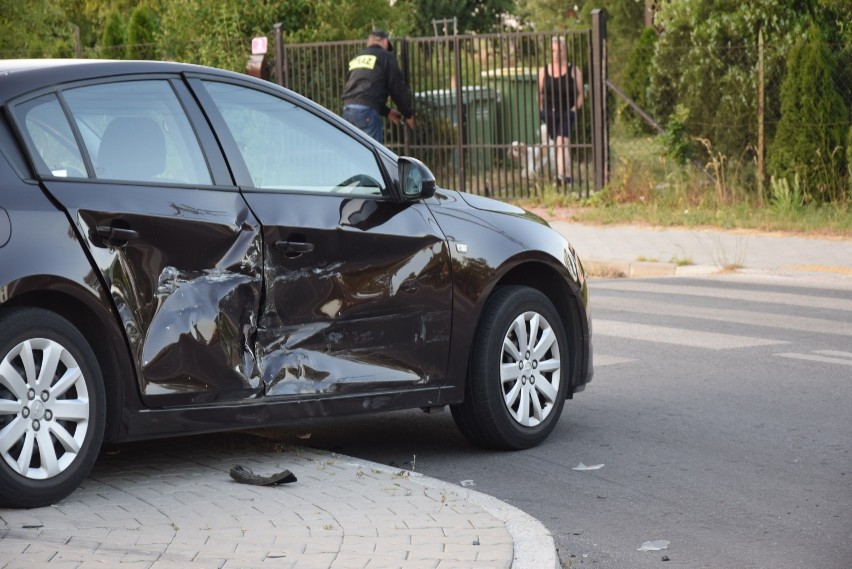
{"x": 517, "y": 115}
{"x": 479, "y": 111}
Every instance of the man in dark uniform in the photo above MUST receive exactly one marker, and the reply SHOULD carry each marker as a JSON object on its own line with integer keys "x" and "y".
{"x": 373, "y": 76}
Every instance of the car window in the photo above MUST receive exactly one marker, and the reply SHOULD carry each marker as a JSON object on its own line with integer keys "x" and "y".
{"x": 50, "y": 137}
{"x": 137, "y": 131}
{"x": 288, "y": 148}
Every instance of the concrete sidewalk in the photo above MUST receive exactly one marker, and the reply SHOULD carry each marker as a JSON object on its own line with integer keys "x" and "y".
{"x": 645, "y": 252}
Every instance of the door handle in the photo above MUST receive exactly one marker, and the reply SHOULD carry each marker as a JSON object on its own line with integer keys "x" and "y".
{"x": 294, "y": 248}
{"x": 115, "y": 234}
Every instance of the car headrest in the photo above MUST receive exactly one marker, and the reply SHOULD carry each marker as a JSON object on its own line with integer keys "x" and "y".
{"x": 132, "y": 148}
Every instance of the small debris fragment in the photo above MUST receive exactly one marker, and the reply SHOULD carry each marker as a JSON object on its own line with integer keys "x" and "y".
{"x": 583, "y": 467}
{"x": 654, "y": 545}
{"x": 244, "y": 475}
{"x": 467, "y": 483}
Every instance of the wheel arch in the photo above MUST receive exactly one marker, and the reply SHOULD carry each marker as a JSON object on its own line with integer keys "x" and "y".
{"x": 565, "y": 298}
{"x": 93, "y": 324}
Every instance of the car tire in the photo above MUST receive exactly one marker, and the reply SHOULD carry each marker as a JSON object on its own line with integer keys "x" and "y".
{"x": 52, "y": 408}
{"x": 520, "y": 336}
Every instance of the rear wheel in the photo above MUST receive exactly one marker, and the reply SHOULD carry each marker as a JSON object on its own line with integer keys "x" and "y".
{"x": 518, "y": 376}
{"x": 52, "y": 408}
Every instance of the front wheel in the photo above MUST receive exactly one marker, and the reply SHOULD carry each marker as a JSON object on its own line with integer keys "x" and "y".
{"x": 52, "y": 408}
{"x": 518, "y": 372}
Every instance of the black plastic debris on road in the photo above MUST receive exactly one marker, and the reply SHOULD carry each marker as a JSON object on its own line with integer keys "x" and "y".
{"x": 245, "y": 475}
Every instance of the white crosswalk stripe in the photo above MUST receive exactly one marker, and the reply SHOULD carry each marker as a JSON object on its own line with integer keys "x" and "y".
{"x": 835, "y": 353}
{"x": 606, "y": 360}
{"x": 785, "y": 298}
{"x": 678, "y": 336}
{"x": 754, "y": 320}
{"x": 817, "y": 356}
{"x": 763, "y": 319}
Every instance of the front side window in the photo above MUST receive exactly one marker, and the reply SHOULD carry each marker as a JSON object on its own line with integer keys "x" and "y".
{"x": 137, "y": 131}
{"x": 288, "y": 148}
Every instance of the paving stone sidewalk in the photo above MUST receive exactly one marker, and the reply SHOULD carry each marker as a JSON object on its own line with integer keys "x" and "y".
{"x": 179, "y": 508}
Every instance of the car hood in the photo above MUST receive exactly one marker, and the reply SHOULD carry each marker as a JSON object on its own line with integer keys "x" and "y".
{"x": 464, "y": 200}
{"x": 511, "y": 230}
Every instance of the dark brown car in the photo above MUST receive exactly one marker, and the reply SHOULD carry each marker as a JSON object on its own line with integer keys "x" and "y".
{"x": 185, "y": 250}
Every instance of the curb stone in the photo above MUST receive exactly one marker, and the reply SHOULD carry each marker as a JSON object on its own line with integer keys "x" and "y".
{"x": 640, "y": 269}
{"x": 533, "y": 544}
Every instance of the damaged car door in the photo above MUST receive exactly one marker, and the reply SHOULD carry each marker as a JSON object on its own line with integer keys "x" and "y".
{"x": 177, "y": 246}
{"x": 358, "y": 288}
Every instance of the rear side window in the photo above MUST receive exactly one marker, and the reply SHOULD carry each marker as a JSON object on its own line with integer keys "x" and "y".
{"x": 50, "y": 138}
{"x": 137, "y": 131}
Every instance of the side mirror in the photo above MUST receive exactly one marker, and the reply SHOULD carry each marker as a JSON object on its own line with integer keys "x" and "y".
{"x": 415, "y": 179}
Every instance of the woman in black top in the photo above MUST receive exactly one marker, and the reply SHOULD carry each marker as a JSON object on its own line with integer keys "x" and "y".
{"x": 560, "y": 94}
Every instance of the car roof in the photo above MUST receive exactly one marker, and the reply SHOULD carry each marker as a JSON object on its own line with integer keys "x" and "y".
{"x": 22, "y": 65}
{"x": 34, "y": 74}
{"x": 31, "y": 74}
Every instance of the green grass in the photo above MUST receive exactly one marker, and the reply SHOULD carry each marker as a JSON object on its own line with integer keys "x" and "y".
{"x": 831, "y": 220}
{"x": 682, "y": 261}
{"x": 647, "y": 187}
{"x": 695, "y": 208}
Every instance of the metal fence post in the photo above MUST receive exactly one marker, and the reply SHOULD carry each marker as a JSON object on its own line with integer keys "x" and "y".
{"x": 280, "y": 76}
{"x": 600, "y": 129}
{"x": 459, "y": 112}
{"x": 761, "y": 115}
{"x": 406, "y": 72}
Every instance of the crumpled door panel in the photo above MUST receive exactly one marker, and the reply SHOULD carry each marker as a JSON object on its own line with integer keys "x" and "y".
{"x": 184, "y": 269}
{"x": 201, "y": 327}
{"x": 364, "y": 308}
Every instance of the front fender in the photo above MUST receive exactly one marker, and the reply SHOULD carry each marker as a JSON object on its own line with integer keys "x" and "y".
{"x": 492, "y": 248}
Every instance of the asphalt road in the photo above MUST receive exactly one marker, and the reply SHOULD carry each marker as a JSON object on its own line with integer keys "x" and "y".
{"x": 721, "y": 410}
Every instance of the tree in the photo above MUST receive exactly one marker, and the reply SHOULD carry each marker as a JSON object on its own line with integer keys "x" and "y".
{"x": 625, "y": 21}
{"x": 550, "y": 15}
{"x": 92, "y": 17}
{"x": 334, "y": 20}
{"x": 111, "y": 45}
{"x": 637, "y": 78}
{"x": 142, "y": 33}
{"x": 705, "y": 61}
{"x": 814, "y": 120}
{"x": 218, "y": 33}
{"x": 227, "y": 26}
{"x": 479, "y": 16}
{"x": 39, "y": 28}
{"x": 835, "y": 19}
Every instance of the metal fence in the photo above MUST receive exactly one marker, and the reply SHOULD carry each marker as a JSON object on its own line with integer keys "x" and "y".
{"x": 477, "y": 106}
